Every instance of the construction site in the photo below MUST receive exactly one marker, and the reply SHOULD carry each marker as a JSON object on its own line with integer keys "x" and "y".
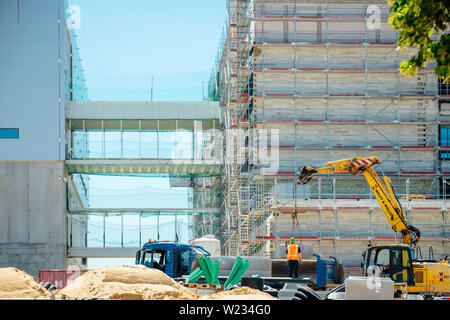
{"x": 296, "y": 84}
{"x": 330, "y": 87}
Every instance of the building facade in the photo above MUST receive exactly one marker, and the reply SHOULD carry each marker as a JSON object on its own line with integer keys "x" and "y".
{"x": 40, "y": 72}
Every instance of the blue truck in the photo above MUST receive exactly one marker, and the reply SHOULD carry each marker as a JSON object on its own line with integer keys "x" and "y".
{"x": 178, "y": 260}
{"x": 174, "y": 259}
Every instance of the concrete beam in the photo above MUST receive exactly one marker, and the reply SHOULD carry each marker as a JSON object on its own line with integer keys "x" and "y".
{"x": 115, "y": 110}
{"x": 102, "y": 252}
{"x": 160, "y": 210}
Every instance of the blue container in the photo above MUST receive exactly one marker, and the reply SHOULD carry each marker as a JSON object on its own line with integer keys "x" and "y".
{"x": 321, "y": 277}
{"x": 331, "y": 270}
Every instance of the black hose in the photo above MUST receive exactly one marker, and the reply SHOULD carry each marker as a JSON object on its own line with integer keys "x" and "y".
{"x": 309, "y": 293}
{"x": 339, "y": 288}
{"x": 301, "y": 296}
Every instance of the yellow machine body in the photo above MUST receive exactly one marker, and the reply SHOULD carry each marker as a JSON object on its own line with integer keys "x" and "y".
{"x": 394, "y": 260}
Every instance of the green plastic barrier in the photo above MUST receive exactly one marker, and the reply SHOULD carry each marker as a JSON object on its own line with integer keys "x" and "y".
{"x": 244, "y": 266}
{"x": 204, "y": 268}
{"x": 236, "y": 266}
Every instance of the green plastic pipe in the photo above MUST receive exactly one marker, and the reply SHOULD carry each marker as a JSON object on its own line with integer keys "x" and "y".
{"x": 215, "y": 273}
{"x": 240, "y": 273}
{"x": 236, "y": 266}
{"x": 194, "y": 274}
{"x": 210, "y": 268}
{"x": 204, "y": 268}
{"x": 197, "y": 276}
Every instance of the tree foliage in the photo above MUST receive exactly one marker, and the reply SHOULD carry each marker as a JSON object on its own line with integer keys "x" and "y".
{"x": 424, "y": 24}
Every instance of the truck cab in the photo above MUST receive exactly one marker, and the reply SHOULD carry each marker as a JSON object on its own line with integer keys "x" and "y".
{"x": 393, "y": 261}
{"x": 174, "y": 259}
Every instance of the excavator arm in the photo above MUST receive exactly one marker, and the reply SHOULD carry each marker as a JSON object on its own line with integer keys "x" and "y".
{"x": 383, "y": 191}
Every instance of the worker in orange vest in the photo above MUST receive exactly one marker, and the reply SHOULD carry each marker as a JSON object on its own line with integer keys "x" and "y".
{"x": 293, "y": 253}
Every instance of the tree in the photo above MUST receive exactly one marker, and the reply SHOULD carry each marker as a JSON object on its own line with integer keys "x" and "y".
{"x": 424, "y": 24}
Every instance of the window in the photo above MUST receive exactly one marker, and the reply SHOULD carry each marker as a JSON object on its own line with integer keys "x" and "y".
{"x": 444, "y": 185}
{"x": 444, "y": 136}
{"x": 185, "y": 261}
{"x": 147, "y": 257}
{"x": 443, "y": 88}
{"x": 444, "y": 155}
{"x": 168, "y": 256}
{"x": 444, "y": 141}
{"x": 396, "y": 258}
{"x": 9, "y": 133}
{"x": 382, "y": 257}
{"x": 158, "y": 257}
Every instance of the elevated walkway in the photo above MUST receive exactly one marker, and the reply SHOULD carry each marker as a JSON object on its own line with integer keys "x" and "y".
{"x": 132, "y": 110}
{"x": 128, "y": 137}
{"x": 119, "y": 232}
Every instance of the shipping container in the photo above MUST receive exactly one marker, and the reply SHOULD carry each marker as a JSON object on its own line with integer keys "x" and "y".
{"x": 59, "y": 278}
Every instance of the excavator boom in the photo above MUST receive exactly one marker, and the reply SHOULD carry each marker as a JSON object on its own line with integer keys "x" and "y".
{"x": 383, "y": 191}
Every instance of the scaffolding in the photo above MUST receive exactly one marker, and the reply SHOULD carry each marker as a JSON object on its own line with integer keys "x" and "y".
{"x": 327, "y": 82}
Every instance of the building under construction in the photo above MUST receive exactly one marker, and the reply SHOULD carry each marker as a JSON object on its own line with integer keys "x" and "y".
{"x": 304, "y": 82}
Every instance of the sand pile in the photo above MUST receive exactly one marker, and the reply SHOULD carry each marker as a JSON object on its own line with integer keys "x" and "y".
{"x": 127, "y": 283}
{"x": 243, "y": 293}
{"x": 16, "y": 284}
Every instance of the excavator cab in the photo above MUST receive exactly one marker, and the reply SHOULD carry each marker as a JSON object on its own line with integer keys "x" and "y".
{"x": 392, "y": 261}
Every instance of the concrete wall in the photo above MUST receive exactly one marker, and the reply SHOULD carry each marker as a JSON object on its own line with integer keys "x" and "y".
{"x": 33, "y": 64}
{"x": 32, "y": 215}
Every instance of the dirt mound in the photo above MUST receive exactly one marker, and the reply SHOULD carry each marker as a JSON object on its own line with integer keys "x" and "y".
{"x": 243, "y": 293}
{"x": 127, "y": 283}
{"x": 16, "y": 284}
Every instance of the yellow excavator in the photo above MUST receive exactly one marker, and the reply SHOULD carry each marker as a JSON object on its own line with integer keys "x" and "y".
{"x": 396, "y": 261}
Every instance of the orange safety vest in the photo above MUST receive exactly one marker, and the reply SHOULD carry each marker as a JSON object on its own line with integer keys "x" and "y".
{"x": 292, "y": 252}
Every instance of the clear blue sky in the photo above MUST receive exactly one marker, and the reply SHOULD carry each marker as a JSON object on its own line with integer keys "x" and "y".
{"x": 122, "y": 43}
